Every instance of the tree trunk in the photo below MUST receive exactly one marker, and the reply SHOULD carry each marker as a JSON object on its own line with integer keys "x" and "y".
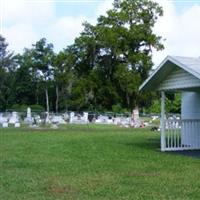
{"x": 47, "y": 105}
{"x": 37, "y": 100}
{"x": 47, "y": 99}
{"x": 127, "y": 99}
{"x": 57, "y": 98}
{"x": 36, "y": 94}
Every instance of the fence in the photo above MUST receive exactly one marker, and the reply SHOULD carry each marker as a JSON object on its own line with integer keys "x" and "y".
{"x": 182, "y": 135}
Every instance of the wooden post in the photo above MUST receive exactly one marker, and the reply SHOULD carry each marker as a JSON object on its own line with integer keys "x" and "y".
{"x": 162, "y": 121}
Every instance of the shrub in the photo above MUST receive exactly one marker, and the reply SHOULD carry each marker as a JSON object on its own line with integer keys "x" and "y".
{"x": 23, "y": 108}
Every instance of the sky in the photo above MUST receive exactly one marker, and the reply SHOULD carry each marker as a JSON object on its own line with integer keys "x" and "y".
{"x": 23, "y": 22}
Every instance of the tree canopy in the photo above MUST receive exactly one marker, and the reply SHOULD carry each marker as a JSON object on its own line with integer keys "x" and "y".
{"x": 101, "y": 70}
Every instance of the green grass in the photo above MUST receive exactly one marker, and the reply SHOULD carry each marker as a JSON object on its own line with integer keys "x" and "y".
{"x": 93, "y": 162}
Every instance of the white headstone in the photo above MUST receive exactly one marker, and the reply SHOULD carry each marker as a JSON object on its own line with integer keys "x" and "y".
{"x": 2, "y": 118}
{"x": 102, "y": 119}
{"x": 85, "y": 117}
{"x": 5, "y": 124}
{"x": 78, "y": 118}
{"x": 54, "y": 126}
{"x": 29, "y": 112}
{"x": 14, "y": 118}
{"x": 66, "y": 116}
{"x": 17, "y": 125}
{"x": 71, "y": 118}
{"x": 28, "y": 118}
{"x": 47, "y": 119}
{"x": 117, "y": 120}
{"x": 58, "y": 119}
{"x": 135, "y": 114}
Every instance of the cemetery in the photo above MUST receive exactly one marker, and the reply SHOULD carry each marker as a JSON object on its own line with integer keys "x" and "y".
{"x": 13, "y": 119}
{"x": 85, "y": 155}
{"x": 86, "y": 114}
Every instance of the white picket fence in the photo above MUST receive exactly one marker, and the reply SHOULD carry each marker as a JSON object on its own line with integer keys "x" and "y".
{"x": 181, "y": 135}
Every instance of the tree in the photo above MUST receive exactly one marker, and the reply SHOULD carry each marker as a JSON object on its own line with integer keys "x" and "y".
{"x": 25, "y": 87}
{"x": 7, "y": 69}
{"x": 102, "y": 70}
{"x": 42, "y": 62}
{"x": 119, "y": 51}
{"x": 63, "y": 78}
{"x": 6, "y": 57}
{"x": 127, "y": 39}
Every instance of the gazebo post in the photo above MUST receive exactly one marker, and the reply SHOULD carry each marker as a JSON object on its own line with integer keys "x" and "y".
{"x": 162, "y": 121}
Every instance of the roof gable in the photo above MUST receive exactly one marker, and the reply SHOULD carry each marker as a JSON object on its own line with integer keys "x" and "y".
{"x": 169, "y": 64}
{"x": 179, "y": 79}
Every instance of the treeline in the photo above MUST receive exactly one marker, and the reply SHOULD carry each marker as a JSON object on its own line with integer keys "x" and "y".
{"x": 101, "y": 71}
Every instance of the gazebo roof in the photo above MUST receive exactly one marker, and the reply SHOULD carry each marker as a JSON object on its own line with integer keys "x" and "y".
{"x": 187, "y": 64}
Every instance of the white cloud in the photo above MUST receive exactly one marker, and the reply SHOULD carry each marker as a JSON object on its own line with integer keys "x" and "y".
{"x": 181, "y": 31}
{"x": 65, "y": 30}
{"x": 28, "y": 21}
{"x": 21, "y": 11}
{"x": 189, "y": 32}
{"x": 23, "y": 22}
{"x": 19, "y": 36}
{"x": 104, "y": 7}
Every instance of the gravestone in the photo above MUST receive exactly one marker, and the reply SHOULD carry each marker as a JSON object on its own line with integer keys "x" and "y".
{"x": 17, "y": 125}
{"x": 117, "y": 120}
{"x": 47, "y": 118}
{"x": 102, "y": 119}
{"x": 58, "y": 119}
{"x": 85, "y": 117}
{"x": 3, "y": 119}
{"x": 14, "y": 118}
{"x": 54, "y": 126}
{"x": 66, "y": 117}
{"x": 29, "y": 113}
{"x": 5, "y": 124}
{"x": 125, "y": 121}
{"x": 71, "y": 117}
{"x": 135, "y": 114}
{"x": 28, "y": 119}
{"x": 135, "y": 120}
{"x": 78, "y": 118}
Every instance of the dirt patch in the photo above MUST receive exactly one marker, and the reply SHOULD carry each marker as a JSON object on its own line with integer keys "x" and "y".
{"x": 93, "y": 182}
{"x": 143, "y": 174}
{"x": 59, "y": 189}
{"x": 56, "y": 187}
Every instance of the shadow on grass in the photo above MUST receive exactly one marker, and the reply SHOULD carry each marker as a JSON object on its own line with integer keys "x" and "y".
{"x": 189, "y": 153}
{"x": 154, "y": 145}
{"x": 148, "y": 144}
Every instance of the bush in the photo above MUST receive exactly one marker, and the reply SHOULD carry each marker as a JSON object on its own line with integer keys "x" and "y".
{"x": 37, "y": 108}
{"x": 18, "y": 108}
{"x": 23, "y": 108}
{"x": 118, "y": 109}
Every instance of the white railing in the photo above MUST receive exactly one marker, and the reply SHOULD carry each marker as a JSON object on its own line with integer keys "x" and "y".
{"x": 181, "y": 135}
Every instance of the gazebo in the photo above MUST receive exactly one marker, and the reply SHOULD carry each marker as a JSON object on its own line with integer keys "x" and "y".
{"x": 178, "y": 74}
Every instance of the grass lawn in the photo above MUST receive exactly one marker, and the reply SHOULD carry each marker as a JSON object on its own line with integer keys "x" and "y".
{"x": 93, "y": 162}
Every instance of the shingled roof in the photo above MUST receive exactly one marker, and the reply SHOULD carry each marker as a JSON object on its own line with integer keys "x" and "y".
{"x": 188, "y": 64}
